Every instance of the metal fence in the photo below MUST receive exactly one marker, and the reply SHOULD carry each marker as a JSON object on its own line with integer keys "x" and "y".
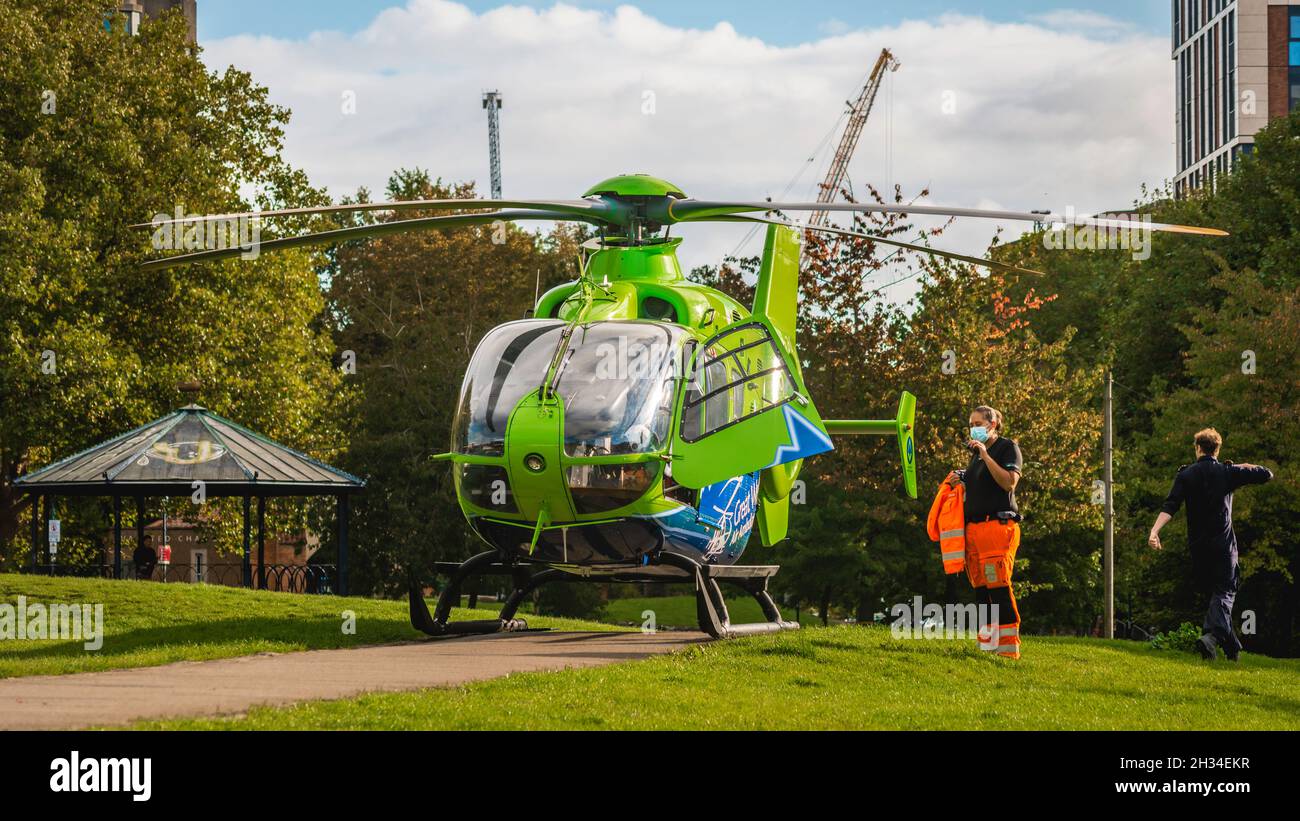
{"x": 286, "y": 578}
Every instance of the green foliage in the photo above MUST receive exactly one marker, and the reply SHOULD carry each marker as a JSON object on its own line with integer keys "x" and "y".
{"x": 1182, "y": 639}
{"x": 1204, "y": 333}
{"x": 100, "y": 130}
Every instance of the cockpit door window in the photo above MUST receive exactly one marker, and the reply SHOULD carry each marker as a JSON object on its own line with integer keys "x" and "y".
{"x": 743, "y": 409}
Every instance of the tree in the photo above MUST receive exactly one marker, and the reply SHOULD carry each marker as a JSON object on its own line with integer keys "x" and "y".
{"x": 1201, "y": 333}
{"x": 1242, "y": 362}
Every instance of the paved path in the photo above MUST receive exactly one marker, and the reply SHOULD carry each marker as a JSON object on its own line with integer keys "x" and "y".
{"x": 231, "y": 686}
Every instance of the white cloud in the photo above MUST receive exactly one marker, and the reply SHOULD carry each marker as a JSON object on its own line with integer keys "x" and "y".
{"x": 833, "y": 26}
{"x": 1078, "y": 19}
{"x": 1045, "y": 115}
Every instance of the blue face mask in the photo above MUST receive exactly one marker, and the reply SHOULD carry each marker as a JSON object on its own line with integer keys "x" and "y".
{"x": 980, "y": 434}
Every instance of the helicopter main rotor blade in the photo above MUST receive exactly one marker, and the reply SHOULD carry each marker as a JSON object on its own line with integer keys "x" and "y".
{"x": 362, "y": 232}
{"x": 701, "y": 210}
{"x": 591, "y": 208}
{"x": 922, "y": 249}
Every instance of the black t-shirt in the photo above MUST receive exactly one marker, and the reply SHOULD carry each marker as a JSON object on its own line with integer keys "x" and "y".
{"x": 984, "y": 496}
{"x": 1207, "y": 487}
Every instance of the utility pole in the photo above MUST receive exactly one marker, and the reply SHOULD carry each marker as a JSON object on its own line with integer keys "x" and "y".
{"x": 1108, "y": 444}
{"x": 492, "y": 102}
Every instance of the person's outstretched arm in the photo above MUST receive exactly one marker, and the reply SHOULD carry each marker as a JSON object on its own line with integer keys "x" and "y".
{"x": 1167, "y": 511}
{"x": 1239, "y": 475}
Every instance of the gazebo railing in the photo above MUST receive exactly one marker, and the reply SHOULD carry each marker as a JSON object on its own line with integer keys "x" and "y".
{"x": 285, "y": 578}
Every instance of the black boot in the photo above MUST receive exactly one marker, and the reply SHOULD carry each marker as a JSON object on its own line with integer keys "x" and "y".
{"x": 1206, "y": 645}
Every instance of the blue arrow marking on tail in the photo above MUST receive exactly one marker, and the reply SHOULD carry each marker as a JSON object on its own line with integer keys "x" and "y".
{"x": 806, "y": 439}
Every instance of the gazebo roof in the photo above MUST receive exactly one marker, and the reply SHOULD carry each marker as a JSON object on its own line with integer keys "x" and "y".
{"x": 193, "y": 444}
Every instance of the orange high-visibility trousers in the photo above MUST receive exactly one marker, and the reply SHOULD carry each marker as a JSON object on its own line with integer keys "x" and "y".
{"x": 990, "y": 557}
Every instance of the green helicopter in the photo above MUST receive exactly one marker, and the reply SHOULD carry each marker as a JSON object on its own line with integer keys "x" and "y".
{"x": 638, "y": 425}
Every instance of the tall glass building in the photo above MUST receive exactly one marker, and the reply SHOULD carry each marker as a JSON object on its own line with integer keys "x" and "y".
{"x": 1237, "y": 65}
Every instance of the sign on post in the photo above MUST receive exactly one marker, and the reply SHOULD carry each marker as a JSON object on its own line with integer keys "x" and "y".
{"x": 56, "y": 533}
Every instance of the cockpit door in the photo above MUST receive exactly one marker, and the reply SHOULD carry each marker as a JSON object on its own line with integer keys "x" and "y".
{"x": 743, "y": 408}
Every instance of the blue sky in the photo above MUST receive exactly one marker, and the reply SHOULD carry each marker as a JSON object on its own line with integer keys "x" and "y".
{"x": 778, "y": 23}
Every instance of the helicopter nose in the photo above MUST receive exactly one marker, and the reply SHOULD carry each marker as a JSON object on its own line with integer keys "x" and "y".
{"x": 534, "y": 444}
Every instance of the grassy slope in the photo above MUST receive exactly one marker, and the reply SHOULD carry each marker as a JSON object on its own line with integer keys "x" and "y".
{"x": 843, "y": 677}
{"x": 670, "y": 611}
{"x": 147, "y": 623}
{"x": 679, "y": 611}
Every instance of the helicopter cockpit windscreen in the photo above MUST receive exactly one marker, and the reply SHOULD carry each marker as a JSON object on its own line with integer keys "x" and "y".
{"x": 618, "y": 383}
{"x": 509, "y": 364}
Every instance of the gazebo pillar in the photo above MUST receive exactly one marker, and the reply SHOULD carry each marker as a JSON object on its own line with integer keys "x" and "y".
{"x": 248, "y": 568}
{"x": 117, "y": 536}
{"x": 261, "y": 541}
{"x": 45, "y": 534}
{"x": 36, "y": 530}
{"x": 344, "y": 511}
{"x": 139, "y": 528}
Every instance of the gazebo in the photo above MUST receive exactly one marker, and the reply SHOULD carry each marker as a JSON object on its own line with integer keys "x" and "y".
{"x": 186, "y": 451}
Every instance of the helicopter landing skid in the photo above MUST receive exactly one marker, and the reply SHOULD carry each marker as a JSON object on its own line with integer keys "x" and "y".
{"x": 710, "y": 604}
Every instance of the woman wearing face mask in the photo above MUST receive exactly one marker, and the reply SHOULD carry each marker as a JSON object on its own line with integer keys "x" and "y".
{"x": 992, "y": 527}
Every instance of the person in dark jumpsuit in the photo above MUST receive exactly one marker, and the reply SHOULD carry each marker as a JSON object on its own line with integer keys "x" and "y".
{"x": 1206, "y": 487}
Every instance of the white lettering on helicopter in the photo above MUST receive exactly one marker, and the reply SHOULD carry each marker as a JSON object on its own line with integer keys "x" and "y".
{"x": 732, "y": 513}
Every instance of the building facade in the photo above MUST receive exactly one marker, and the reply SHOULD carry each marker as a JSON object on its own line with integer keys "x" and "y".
{"x": 137, "y": 11}
{"x": 1236, "y": 66}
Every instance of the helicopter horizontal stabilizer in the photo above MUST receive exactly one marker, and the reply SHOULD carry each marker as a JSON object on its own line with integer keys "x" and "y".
{"x": 903, "y": 426}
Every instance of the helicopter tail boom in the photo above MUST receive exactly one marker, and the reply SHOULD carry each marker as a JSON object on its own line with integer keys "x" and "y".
{"x": 903, "y": 426}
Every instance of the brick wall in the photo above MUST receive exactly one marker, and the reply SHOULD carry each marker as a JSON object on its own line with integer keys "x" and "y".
{"x": 1278, "y": 40}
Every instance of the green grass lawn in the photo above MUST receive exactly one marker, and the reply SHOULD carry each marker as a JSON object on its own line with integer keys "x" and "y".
{"x": 679, "y": 611}
{"x": 842, "y": 678}
{"x": 146, "y": 623}
{"x": 670, "y": 611}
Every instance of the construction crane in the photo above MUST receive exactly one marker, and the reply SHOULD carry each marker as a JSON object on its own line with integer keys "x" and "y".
{"x": 492, "y": 102}
{"x": 858, "y": 113}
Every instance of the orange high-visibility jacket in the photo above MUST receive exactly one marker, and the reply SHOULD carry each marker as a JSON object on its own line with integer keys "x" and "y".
{"x": 947, "y": 523}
